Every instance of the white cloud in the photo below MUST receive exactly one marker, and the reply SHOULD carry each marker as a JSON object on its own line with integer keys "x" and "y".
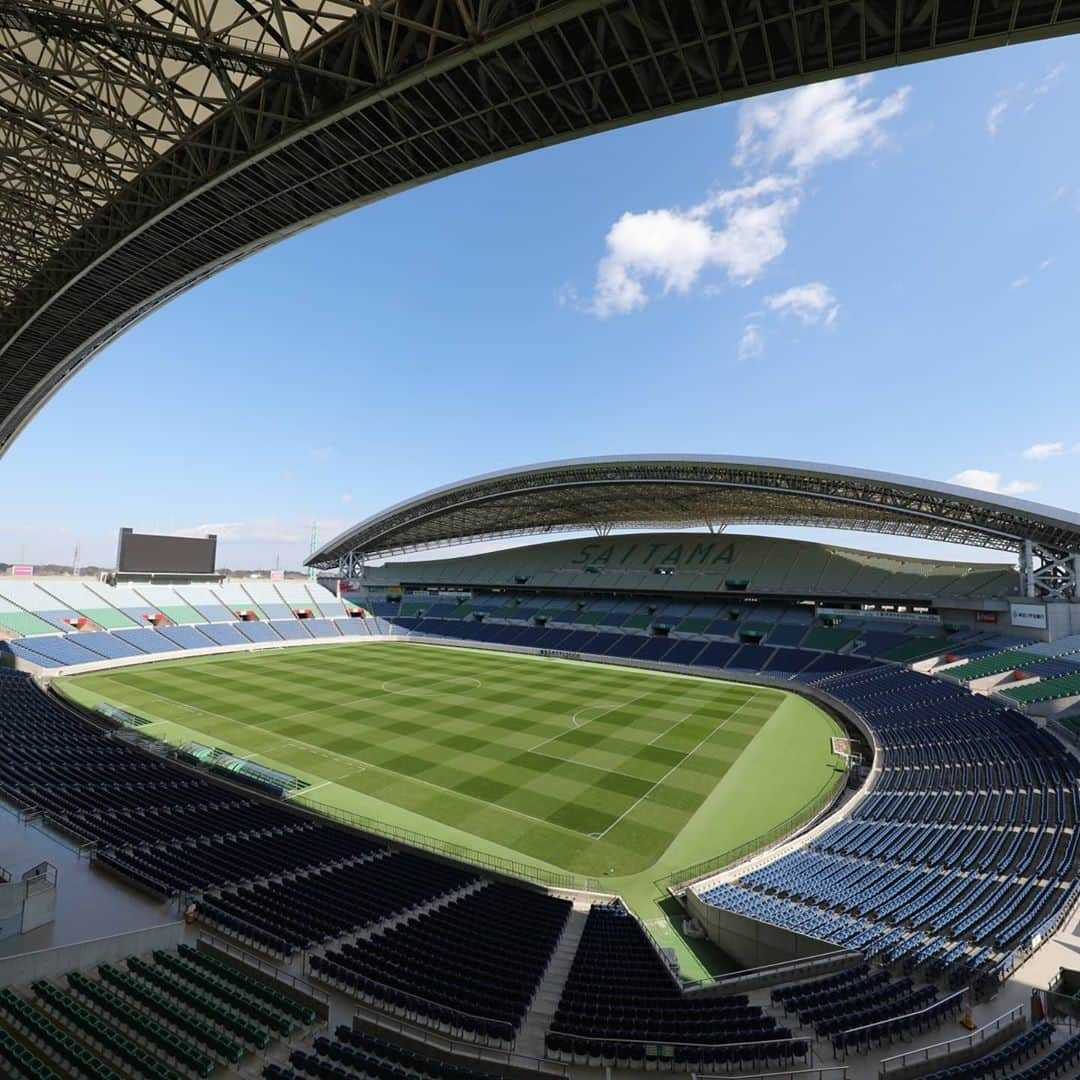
{"x": 993, "y": 117}
{"x": 266, "y": 531}
{"x": 346, "y": 499}
{"x": 812, "y": 303}
{"x": 674, "y": 247}
{"x": 1046, "y": 264}
{"x": 823, "y": 122}
{"x": 1045, "y": 84}
{"x": 1021, "y": 282}
{"x": 739, "y": 231}
{"x": 1042, "y": 450}
{"x": 984, "y": 480}
{"x": 321, "y": 453}
{"x": 752, "y": 343}
{"x": 1023, "y": 96}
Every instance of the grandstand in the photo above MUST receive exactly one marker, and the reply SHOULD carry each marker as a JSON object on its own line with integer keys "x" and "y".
{"x": 458, "y": 809}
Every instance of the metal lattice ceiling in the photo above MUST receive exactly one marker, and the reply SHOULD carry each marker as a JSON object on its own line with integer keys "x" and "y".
{"x": 681, "y": 491}
{"x": 145, "y": 144}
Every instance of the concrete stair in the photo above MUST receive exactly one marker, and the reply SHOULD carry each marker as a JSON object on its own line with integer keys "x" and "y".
{"x": 530, "y": 1039}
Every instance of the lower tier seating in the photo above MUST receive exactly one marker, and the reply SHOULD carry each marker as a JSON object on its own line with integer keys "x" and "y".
{"x": 621, "y": 1000}
{"x": 469, "y": 965}
{"x": 368, "y": 1055}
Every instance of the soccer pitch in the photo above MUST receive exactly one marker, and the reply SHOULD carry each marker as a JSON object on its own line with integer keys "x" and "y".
{"x": 594, "y": 769}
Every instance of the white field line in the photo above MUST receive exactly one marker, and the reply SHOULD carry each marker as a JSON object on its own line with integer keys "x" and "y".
{"x": 667, "y": 731}
{"x": 424, "y": 688}
{"x": 573, "y": 719}
{"x": 678, "y": 764}
{"x": 384, "y": 689}
{"x": 308, "y": 747}
{"x": 311, "y": 748}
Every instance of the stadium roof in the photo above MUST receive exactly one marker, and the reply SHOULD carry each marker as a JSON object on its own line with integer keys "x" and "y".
{"x": 690, "y": 491}
{"x": 145, "y": 145}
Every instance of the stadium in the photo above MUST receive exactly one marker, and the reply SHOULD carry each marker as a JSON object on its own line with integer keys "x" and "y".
{"x": 569, "y": 769}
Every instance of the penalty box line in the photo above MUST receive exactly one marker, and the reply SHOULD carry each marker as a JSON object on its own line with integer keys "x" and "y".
{"x": 678, "y": 765}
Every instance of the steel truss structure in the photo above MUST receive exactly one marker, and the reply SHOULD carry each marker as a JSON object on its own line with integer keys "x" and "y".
{"x": 682, "y": 491}
{"x": 145, "y": 144}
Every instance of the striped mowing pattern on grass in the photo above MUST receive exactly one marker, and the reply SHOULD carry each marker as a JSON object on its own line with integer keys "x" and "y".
{"x": 591, "y": 768}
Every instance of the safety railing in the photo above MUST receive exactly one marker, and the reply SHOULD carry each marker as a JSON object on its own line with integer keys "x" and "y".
{"x": 465, "y": 1026}
{"x": 781, "y": 971}
{"x": 668, "y": 1050}
{"x": 468, "y": 1051}
{"x": 824, "y": 1072}
{"x": 458, "y": 852}
{"x": 845, "y": 1036}
{"x": 926, "y": 1054}
{"x": 265, "y": 967}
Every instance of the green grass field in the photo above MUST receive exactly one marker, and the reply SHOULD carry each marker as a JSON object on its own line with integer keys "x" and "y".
{"x": 601, "y": 771}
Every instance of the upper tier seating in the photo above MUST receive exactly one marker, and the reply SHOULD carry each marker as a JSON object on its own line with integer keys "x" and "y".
{"x": 268, "y": 599}
{"x": 202, "y": 599}
{"x": 80, "y": 597}
{"x": 166, "y": 600}
{"x": 994, "y": 664}
{"x": 1046, "y": 689}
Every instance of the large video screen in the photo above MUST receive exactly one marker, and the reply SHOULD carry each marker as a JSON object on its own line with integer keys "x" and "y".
{"x": 145, "y": 553}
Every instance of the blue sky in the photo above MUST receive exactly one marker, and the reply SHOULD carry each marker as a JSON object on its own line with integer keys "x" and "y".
{"x": 881, "y": 273}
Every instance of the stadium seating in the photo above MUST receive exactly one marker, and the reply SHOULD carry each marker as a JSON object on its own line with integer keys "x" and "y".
{"x": 203, "y": 601}
{"x": 147, "y": 640}
{"x": 257, "y": 631}
{"x": 1005, "y": 1060}
{"x": 222, "y": 634}
{"x": 432, "y": 965}
{"x": 56, "y": 649}
{"x": 901, "y": 879}
{"x": 326, "y": 903}
{"x": 166, "y": 600}
{"x": 290, "y": 629}
{"x": 620, "y": 1000}
{"x": 1051, "y": 689}
{"x": 179, "y": 1013}
{"x": 368, "y": 1055}
{"x": 187, "y": 637}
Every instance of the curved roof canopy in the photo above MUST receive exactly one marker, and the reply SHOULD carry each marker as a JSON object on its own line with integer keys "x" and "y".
{"x": 145, "y": 144}
{"x": 686, "y": 491}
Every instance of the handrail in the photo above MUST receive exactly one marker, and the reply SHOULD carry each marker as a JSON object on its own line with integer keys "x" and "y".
{"x": 809, "y": 962}
{"x": 960, "y": 1042}
{"x": 265, "y": 967}
{"x": 677, "y": 879}
{"x": 904, "y": 1016}
{"x": 474, "y": 1051}
{"x": 822, "y": 1072}
{"x": 397, "y": 992}
{"x": 458, "y": 852}
{"x": 804, "y": 1040}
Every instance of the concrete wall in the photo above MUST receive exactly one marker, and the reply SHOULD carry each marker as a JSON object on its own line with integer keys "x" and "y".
{"x": 753, "y": 943}
{"x": 48, "y": 963}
